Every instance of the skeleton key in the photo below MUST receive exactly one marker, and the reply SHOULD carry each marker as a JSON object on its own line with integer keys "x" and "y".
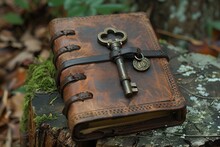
{"x": 129, "y": 87}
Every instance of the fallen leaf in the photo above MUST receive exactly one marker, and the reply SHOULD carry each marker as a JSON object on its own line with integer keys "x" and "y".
{"x": 2, "y": 22}
{"x": 8, "y": 142}
{"x": 181, "y": 37}
{"x": 2, "y": 74}
{"x": 4, "y": 111}
{"x": 202, "y": 49}
{"x": 19, "y": 59}
{"x": 16, "y": 105}
{"x": 14, "y": 125}
{"x": 16, "y": 79}
{"x": 45, "y": 54}
{"x": 3, "y": 135}
{"x": 3, "y": 44}
{"x": 215, "y": 47}
{"x": 3, "y": 103}
{"x": 4, "y": 58}
{"x": 6, "y": 54}
{"x": 215, "y": 35}
{"x": 31, "y": 43}
{"x": 13, "y": 80}
{"x": 18, "y": 45}
{"x": 6, "y": 36}
{"x": 41, "y": 32}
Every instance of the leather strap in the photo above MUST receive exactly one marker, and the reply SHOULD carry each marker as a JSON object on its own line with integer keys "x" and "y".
{"x": 80, "y": 61}
{"x": 64, "y": 50}
{"x": 71, "y": 79}
{"x": 125, "y": 52}
{"x": 130, "y": 52}
{"x": 59, "y": 34}
{"x": 78, "y": 97}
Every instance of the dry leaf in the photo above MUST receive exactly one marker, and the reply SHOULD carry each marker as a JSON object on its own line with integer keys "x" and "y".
{"x": 2, "y": 74}
{"x": 3, "y": 44}
{"x": 215, "y": 35}
{"x": 6, "y": 54}
{"x": 215, "y": 42}
{"x": 16, "y": 78}
{"x": 45, "y": 54}
{"x": 15, "y": 44}
{"x": 19, "y": 59}
{"x": 14, "y": 125}
{"x": 4, "y": 119}
{"x": 31, "y": 43}
{"x": 16, "y": 105}
{"x": 3, "y": 103}
{"x": 3, "y": 135}
{"x": 8, "y": 141}
{"x": 202, "y": 49}
{"x": 41, "y": 32}
{"x": 5, "y": 58}
{"x": 6, "y": 36}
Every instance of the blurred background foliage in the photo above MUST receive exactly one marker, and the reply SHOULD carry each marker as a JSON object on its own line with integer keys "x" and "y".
{"x": 62, "y": 8}
{"x": 177, "y": 16}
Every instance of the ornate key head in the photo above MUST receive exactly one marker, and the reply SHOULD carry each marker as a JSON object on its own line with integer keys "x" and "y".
{"x": 119, "y": 37}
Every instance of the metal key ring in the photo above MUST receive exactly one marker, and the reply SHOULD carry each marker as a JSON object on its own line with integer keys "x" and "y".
{"x": 139, "y": 59}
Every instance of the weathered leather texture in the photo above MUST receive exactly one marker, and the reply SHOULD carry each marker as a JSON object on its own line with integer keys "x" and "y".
{"x": 157, "y": 88}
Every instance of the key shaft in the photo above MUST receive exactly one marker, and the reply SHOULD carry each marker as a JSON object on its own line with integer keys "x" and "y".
{"x": 115, "y": 45}
{"x": 124, "y": 78}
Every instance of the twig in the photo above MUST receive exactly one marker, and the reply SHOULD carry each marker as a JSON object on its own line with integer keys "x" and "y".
{"x": 8, "y": 142}
{"x": 4, "y": 102}
{"x": 51, "y": 102}
{"x": 177, "y": 36}
{"x": 200, "y": 96}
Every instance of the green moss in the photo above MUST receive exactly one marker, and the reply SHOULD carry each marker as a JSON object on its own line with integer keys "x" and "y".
{"x": 39, "y": 119}
{"x": 40, "y": 79}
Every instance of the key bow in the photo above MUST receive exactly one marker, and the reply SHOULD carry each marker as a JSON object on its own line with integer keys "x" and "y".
{"x": 107, "y": 42}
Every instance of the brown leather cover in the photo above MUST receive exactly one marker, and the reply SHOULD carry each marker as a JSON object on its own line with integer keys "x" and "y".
{"x": 158, "y": 92}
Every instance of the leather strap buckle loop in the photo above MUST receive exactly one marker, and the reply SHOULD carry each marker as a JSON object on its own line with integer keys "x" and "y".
{"x": 78, "y": 97}
{"x": 71, "y": 79}
{"x": 59, "y": 34}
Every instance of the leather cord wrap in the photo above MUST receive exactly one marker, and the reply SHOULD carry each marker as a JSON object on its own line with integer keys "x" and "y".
{"x": 125, "y": 52}
{"x": 71, "y": 79}
{"x": 78, "y": 97}
{"x": 59, "y": 34}
{"x": 65, "y": 49}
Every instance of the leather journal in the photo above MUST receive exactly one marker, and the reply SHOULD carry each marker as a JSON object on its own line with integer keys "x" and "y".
{"x": 113, "y": 76}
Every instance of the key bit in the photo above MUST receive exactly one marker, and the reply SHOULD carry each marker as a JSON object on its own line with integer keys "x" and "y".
{"x": 134, "y": 87}
{"x": 129, "y": 87}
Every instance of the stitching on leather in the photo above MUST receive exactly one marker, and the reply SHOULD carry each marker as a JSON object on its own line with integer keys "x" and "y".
{"x": 112, "y": 111}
